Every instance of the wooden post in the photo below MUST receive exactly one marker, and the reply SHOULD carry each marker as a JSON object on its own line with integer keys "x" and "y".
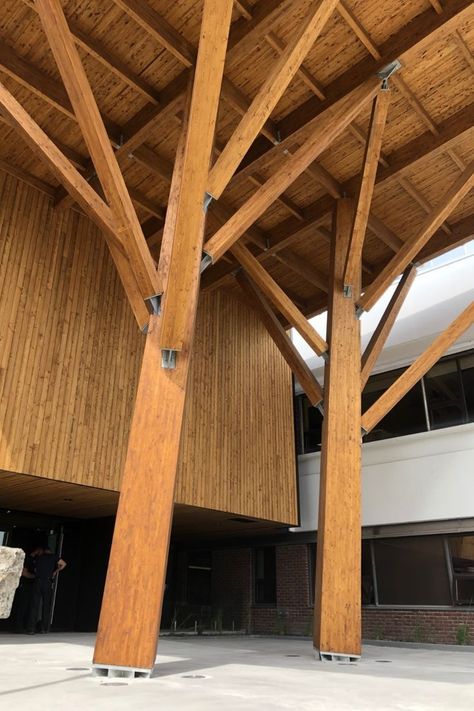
{"x": 337, "y": 623}
{"x": 131, "y": 609}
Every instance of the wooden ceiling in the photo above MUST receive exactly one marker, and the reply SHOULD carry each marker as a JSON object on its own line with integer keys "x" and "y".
{"x": 138, "y": 54}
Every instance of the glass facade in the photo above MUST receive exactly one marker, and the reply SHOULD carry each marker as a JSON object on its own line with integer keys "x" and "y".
{"x": 444, "y": 397}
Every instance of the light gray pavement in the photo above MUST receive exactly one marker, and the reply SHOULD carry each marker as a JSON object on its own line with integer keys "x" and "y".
{"x": 44, "y": 674}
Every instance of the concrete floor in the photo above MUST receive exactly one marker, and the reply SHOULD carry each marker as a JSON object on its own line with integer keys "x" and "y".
{"x": 229, "y": 673}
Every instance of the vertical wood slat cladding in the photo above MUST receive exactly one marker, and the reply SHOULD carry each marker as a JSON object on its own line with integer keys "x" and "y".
{"x": 70, "y": 355}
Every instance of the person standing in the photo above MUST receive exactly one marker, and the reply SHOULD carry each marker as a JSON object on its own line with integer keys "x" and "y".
{"x": 46, "y": 566}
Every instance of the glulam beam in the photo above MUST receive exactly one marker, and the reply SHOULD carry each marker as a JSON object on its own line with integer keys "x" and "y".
{"x": 367, "y": 183}
{"x": 384, "y": 327}
{"x": 278, "y": 297}
{"x": 324, "y": 131}
{"x": 256, "y": 300}
{"x": 131, "y": 608}
{"x": 337, "y": 611}
{"x": 418, "y": 369}
{"x": 86, "y": 197}
{"x": 95, "y": 135}
{"x": 281, "y": 74}
{"x": 188, "y": 207}
{"x": 408, "y": 252}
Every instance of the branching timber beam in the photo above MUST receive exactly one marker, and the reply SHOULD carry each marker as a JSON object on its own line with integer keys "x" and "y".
{"x": 329, "y": 126}
{"x": 188, "y": 213}
{"x": 83, "y": 193}
{"x": 269, "y": 94}
{"x": 366, "y": 189}
{"x": 130, "y": 616}
{"x": 382, "y": 332}
{"x": 417, "y": 369}
{"x": 278, "y": 297}
{"x": 85, "y": 108}
{"x": 255, "y": 299}
{"x": 412, "y": 246}
{"x": 417, "y": 34}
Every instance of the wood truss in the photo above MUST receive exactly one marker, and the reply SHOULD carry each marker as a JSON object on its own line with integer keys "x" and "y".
{"x": 300, "y": 193}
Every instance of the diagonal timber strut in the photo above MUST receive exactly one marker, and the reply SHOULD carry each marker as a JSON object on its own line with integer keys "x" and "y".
{"x": 95, "y": 135}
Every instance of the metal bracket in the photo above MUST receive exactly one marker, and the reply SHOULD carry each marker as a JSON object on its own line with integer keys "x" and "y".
{"x": 325, "y": 356}
{"x": 112, "y": 672}
{"x": 363, "y": 432}
{"x": 153, "y": 304}
{"x": 337, "y": 657}
{"x": 207, "y": 201}
{"x": 386, "y": 72}
{"x": 320, "y": 407}
{"x": 277, "y": 139}
{"x": 359, "y": 311}
{"x": 347, "y": 291}
{"x": 206, "y": 261}
{"x": 168, "y": 359}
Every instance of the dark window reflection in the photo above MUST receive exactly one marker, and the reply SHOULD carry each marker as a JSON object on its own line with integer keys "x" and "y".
{"x": 368, "y": 588}
{"x": 462, "y": 561}
{"x": 467, "y": 372}
{"x": 412, "y": 571}
{"x": 407, "y": 417}
{"x": 265, "y": 575}
{"x": 445, "y": 395}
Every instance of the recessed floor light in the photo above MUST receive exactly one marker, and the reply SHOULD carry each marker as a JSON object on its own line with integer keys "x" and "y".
{"x": 193, "y": 676}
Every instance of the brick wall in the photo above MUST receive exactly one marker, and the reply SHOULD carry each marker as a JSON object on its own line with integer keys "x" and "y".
{"x": 436, "y": 626}
{"x": 293, "y": 612}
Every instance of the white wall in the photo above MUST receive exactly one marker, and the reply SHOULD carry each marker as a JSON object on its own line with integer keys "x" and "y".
{"x": 422, "y": 477}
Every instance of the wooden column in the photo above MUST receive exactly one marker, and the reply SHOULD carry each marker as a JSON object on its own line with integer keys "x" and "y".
{"x": 337, "y": 623}
{"x": 133, "y": 597}
{"x": 131, "y": 608}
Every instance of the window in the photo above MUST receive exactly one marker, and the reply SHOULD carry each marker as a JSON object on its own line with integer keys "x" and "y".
{"x": 466, "y": 364}
{"x": 368, "y": 587}
{"x": 461, "y": 550}
{"x": 445, "y": 395}
{"x": 265, "y": 576}
{"x": 412, "y": 571}
{"x": 407, "y": 417}
{"x": 312, "y": 550}
{"x": 312, "y": 423}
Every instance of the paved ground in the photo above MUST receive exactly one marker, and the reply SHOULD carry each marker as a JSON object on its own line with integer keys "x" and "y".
{"x": 230, "y": 673}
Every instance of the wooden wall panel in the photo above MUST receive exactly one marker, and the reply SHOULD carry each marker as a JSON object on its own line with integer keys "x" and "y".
{"x": 70, "y": 354}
